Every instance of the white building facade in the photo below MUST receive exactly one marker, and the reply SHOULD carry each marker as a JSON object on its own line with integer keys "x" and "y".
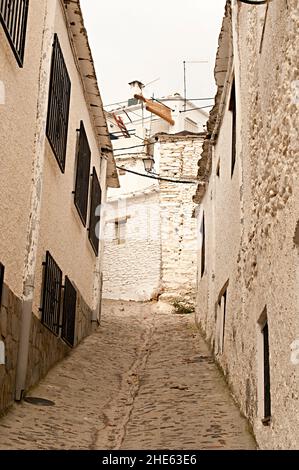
{"x": 158, "y": 242}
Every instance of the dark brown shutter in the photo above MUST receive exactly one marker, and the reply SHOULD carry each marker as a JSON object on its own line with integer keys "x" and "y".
{"x": 69, "y": 312}
{"x": 94, "y": 220}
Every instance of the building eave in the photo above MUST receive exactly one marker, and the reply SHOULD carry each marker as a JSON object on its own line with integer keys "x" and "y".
{"x": 86, "y": 69}
{"x": 223, "y": 74}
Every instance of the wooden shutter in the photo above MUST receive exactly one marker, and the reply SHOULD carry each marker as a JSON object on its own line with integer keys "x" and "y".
{"x": 94, "y": 219}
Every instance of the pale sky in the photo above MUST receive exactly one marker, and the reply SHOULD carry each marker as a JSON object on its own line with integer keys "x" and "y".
{"x": 146, "y": 40}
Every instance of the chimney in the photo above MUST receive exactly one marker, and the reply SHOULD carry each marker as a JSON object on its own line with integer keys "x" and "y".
{"x": 136, "y": 89}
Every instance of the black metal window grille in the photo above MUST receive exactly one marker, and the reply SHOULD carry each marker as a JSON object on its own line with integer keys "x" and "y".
{"x": 233, "y": 109}
{"x": 51, "y": 299}
{"x": 58, "y": 105}
{"x": 69, "y": 312}
{"x": 94, "y": 219}
{"x": 203, "y": 246}
{"x": 82, "y": 175}
{"x": 13, "y": 17}
{"x": 267, "y": 384}
{"x": 1, "y": 280}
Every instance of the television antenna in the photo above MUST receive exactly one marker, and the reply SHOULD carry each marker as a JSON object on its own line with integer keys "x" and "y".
{"x": 185, "y": 79}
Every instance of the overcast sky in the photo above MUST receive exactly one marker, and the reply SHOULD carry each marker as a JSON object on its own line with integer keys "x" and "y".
{"x": 150, "y": 39}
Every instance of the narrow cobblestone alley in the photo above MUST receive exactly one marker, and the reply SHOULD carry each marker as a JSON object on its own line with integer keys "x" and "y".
{"x": 144, "y": 380}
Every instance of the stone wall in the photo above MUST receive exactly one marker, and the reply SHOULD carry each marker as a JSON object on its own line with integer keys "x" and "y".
{"x": 10, "y": 317}
{"x": 179, "y": 155}
{"x": 45, "y": 349}
{"x": 251, "y": 220}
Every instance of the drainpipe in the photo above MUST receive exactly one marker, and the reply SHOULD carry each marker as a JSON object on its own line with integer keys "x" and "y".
{"x": 36, "y": 195}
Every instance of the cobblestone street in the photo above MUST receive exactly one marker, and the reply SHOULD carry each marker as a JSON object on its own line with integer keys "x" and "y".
{"x": 144, "y": 380}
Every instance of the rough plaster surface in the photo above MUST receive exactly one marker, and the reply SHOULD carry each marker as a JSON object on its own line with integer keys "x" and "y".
{"x": 18, "y": 112}
{"x": 253, "y": 243}
{"x": 61, "y": 230}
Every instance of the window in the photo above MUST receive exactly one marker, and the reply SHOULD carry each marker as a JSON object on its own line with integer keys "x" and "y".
{"x": 221, "y": 319}
{"x": 13, "y": 17}
{"x": 58, "y": 105}
{"x": 267, "y": 390}
{"x": 190, "y": 125}
{"x": 69, "y": 312}
{"x": 218, "y": 169}
{"x": 94, "y": 218}
{"x": 232, "y": 108}
{"x": 203, "y": 245}
{"x": 264, "y": 388}
{"x": 82, "y": 175}
{"x": 120, "y": 231}
{"x": 51, "y": 294}
{"x": 1, "y": 281}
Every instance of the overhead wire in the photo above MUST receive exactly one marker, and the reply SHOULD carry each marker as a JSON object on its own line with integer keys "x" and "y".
{"x": 161, "y": 178}
{"x": 193, "y": 109}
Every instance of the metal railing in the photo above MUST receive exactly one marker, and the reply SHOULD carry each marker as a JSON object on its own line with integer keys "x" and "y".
{"x": 51, "y": 299}
{"x": 58, "y": 106}
{"x": 13, "y": 17}
{"x": 69, "y": 313}
{"x": 82, "y": 175}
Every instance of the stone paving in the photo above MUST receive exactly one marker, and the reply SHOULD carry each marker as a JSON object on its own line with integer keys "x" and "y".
{"x": 144, "y": 380}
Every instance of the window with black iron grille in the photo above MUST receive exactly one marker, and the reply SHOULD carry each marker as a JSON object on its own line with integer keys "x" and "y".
{"x": 82, "y": 175}
{"x": 69, "y": 313}
{"x": 51, "y": 299}
{"x": 267, "y": 385}
{"x": 94, "y": 219}
{"x": 203, "y": 245}
{"x": 13, "y": 17}
{"x": 58, "y": 105}
{"x": 1, "y": 280}
{"x": 233, "y": 109}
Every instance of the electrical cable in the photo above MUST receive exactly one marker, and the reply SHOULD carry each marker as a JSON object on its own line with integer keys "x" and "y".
{"x": 129, "y": 154}
{"x": 128, "y": 148}
{"x": 199, "y": 99}
{"x": 160, "y": 178}
{"x": 193, "y": 109}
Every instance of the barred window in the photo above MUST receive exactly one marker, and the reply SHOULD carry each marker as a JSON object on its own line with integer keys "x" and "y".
{"x": 1, "y": 280}
{"x": 203, "y": 246}
{"x": 94, "y": 219}
{"x": 69, "y": 312}
{"x": 13, "y": 17}
{"x": 51, "y": 294}
{"x": 58, "y": 105}
{"x": 233, "y": 109}
{"x": 82, "y": 175}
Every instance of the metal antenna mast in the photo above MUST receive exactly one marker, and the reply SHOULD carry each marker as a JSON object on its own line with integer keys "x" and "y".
{"x": 185, "y": 79}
